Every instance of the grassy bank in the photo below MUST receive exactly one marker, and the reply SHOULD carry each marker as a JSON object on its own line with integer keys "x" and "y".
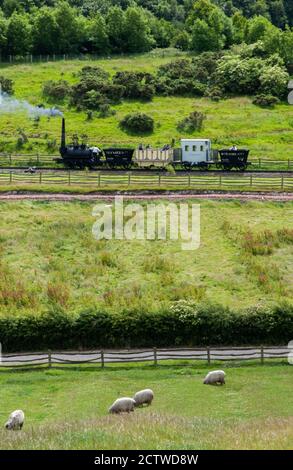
{"x": 52, "y": 260}
{"x": 252, "y": 411}
{"x": 267, "y": 132}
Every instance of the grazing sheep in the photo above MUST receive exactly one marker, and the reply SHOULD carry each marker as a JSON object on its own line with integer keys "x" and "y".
{"x": 215, "y": 377}
{"x": 15, "y": 420}
{"x": 144, "y": 396}
{"x": 122, "y": 405}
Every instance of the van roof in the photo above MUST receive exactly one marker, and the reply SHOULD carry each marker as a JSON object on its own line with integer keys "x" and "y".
{"x": 194, "y": 140}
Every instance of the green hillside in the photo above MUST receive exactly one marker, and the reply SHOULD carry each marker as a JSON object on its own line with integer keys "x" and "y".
{"x": 267, "y": 132}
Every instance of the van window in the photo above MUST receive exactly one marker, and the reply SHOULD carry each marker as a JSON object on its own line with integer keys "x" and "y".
{"x": 194, "y": 148}
{"x": 186, "y": 148}
{"x": 201, "y": 148}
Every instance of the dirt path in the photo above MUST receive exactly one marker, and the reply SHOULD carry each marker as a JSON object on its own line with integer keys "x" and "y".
{"x": 149, "y": 196}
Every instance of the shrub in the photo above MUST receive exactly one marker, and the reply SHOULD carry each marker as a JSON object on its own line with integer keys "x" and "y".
{"x": 105, "y": 110}
{"x": 215, "y": 93}
{"x": 193, "y": 122}
{"x": 56, "y": 90}
{"x": 185, "y": 323}
{"x": 138, "y": 123}
{"x": 6, "y": 85}
{"x": 136, "y": 85}
{"x": 265, "y": 101}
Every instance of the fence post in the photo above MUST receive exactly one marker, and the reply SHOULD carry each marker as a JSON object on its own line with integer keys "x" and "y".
{"x": 40, "y": 180}
{"x": 220, "y": 181}
{"x": 262, "y": 357}
{"x": 155, "y": 357}
{"x": 159, "y": 179}
{"x": 129, "y": 176}
{"x": 10, "y": 158}
{"x": 102, "y": 359}
{"x": 69, "y": 180}
{"x": 189, "y": 180}
{"x": 49, "y": 358}
{"x": 259, "y": 163}
{"x": 282, "y": 182}
{"x": 209, "y": 354}
{"x": 99, "y": 179}
{"x": 10, "y": 177}
{"x": 288, "y": 163}
{"x": 251, "y": 181}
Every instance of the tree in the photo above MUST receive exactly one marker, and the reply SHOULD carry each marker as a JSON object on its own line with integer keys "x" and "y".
{"x": 115, "y": 21}
{"x": 258, "y": 28}
{"x": 239, "y": 28}
{"x": 278, "y": 13}
{"x": 3, "y": 34}
{"x": 181, "y": 40}
{"x": 203, "y": 38}
{"x": 137, "y": 31}
{"x": 19, "y": 38}
{"x": 98, "y": 35}
{"x": 45, "y": 31}
{"x": 67, "y": 28}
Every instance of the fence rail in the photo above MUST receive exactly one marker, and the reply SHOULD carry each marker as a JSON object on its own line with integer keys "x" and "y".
{"x": 38, "y": 58}
{"x": 132, "y": 179}
{"x": 153, "y": 355}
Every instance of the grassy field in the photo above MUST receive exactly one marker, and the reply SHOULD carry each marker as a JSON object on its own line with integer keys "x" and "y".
{"x": 49, "y": 258}
{"x": 268, "y": 133}
{"x": 252, "y": 411}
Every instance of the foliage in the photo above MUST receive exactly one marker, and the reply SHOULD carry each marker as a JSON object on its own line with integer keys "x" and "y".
{"x": 138, "y": 85}
{"x": 184, "y": 324}
{"x": 123, "y": 26}
{"x": 193, "y": 122}
{"x": 56, "y": 90}
{"x": 266, "y": 101}
{"x": 139, "y": 123}
{"x": 6, "y": 85}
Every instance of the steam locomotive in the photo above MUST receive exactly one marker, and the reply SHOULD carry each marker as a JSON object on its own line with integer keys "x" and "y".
{"x": 81, "y": 156}
{"x": 192, "y": 153}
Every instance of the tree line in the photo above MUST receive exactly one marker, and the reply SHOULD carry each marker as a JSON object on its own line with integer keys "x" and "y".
{"x": 134, "y": 26}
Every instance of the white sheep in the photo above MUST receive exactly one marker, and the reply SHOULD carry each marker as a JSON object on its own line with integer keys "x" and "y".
{"x": 144, "y": 397}
{"x": 215, "y": 377}
{"x": 15, "y": 420}
{"x": 122, "y": 405}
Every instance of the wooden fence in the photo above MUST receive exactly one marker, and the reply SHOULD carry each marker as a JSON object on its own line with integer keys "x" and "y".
{"x": 153, "y": 356}
{"x": 147, "y": 181}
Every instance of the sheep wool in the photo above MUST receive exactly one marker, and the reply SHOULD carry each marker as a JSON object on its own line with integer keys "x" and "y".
{"x": 215, "y": 377}
{"x": 122, "y": 405}
{"x": 15, "y": 420}
{"x": 144, "y": 397}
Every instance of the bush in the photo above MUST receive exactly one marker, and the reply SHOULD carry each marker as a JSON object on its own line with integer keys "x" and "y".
{"x": 184, "y": 324}
{"x": 138, "y": 123}
{"x": 6, "y": 85}
{"x": 137, "y": 85}
{"x": 57, "y": 90}
{"x": 215, "y": 93}
{"x": 105, "y": 110}
{"x": 193, "y": 122}
{"x": 266, "y": 101}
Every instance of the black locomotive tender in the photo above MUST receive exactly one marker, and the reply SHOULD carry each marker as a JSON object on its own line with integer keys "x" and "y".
{"x": 193, "y": 153}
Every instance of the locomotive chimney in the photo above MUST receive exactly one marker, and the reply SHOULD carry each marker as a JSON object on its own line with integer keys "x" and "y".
{"x": 63, "y": 143}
